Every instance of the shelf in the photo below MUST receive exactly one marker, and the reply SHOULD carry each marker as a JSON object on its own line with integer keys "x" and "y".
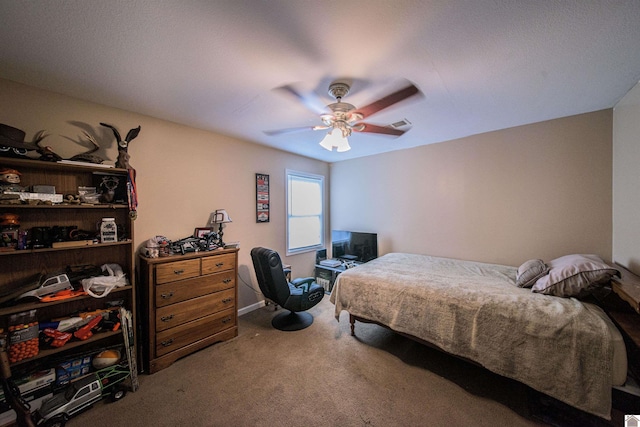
{"x": 5, "y": 311}
{"x": 73, "y": 248}
{"x": 338, "y": 269}
{"x": 66, "y": 206}
{"x": 68, "y": 346}
{"x": 58, "y": 166}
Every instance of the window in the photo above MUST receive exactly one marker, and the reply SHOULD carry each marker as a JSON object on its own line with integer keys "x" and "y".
{"x": 82, "y": 392}
{"x": 305, "y": 212}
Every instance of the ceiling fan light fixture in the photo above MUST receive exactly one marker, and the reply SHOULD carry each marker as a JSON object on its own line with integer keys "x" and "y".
{"x": 335, "y": 138}
{"x": 342, "y": 118}
{"x": 327, "y": 141}
{"x": 343, "y": 145}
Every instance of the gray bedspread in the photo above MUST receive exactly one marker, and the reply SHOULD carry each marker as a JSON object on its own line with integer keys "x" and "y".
{"x": 557, "y": 346}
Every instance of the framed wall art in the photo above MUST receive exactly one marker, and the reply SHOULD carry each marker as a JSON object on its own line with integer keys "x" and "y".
{"x": 112, "y": 188}
{"x": 200, "y": 232}
{"x": 262, "y": 197}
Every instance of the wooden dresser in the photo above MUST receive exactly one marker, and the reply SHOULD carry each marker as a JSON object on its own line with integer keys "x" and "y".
{"x": 187, "y": 303}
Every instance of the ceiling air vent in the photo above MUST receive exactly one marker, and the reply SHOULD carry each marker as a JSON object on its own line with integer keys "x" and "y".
{"x": 401, "y": 123}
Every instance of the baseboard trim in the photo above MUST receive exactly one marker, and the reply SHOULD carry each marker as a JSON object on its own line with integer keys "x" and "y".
{"x": 250, "y": 308}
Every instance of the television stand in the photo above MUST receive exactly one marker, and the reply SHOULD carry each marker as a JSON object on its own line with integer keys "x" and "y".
{"x": 326, "y": 275}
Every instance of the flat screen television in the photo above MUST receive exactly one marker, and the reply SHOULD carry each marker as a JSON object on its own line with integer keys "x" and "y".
{"x": 354, "y": 246}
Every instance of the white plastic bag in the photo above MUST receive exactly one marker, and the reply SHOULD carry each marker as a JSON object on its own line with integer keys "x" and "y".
{"x": 100, "y": 286}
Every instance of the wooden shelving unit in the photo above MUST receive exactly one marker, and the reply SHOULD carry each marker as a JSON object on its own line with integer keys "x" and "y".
{"x": 21, "y": 267}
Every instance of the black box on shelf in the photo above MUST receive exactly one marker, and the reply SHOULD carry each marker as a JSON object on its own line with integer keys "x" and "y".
{"x": 321, "y": 255}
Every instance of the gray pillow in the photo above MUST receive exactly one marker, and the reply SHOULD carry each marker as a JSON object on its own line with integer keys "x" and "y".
{"x": 575, "y": 276}
{"x": 530, "y": 272}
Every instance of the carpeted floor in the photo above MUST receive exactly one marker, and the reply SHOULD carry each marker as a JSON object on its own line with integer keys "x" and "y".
{"x": 322, "y": 376}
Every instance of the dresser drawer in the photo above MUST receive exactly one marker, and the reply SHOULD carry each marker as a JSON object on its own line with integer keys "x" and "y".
{"x": 182, "y": 312}
{"x": 177, "y": 270}
{"x": 171, "y": 293}
{"x": 217, "y": 263}
{"x": 187, "y": 333}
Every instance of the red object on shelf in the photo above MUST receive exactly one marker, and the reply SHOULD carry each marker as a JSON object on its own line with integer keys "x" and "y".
{"x": 68, "y": 293}
{"x": 85, "y": 332}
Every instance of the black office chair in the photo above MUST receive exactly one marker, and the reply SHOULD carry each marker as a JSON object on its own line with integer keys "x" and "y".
{"x": 296, "y": 296}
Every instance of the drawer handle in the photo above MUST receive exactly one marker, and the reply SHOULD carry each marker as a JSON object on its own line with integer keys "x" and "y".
{"x": 167, "y": 343}
{"x": 226, "y": 320}
{"x": 227, "y": 280}
{"x": 227, "y": 300}
{"x": 166, "y": 318}
{"x": 167, "y": 296}
{"x": 220, "y": 264}
{"x": 178, "y": 272}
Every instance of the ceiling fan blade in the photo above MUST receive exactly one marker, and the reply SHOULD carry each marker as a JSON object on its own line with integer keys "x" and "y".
{"x": 366, "y": 127}
{"x": 310, "y": 101}
{"x": 292, "y": 130}
{"x": 388, "y": 101}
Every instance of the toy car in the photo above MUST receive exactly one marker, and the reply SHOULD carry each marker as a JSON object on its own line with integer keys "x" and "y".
{"x": 83, "y": 393}
{"x": 50, "y": 285}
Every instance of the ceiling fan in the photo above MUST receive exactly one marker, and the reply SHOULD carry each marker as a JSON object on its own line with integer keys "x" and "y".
{"x": 342, "y": 118}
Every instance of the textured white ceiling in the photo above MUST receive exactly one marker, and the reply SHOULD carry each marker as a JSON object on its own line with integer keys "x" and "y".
{"x": 482, "y": 65}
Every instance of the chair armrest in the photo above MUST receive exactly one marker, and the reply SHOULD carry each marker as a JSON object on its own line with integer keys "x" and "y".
{"x": 302, "y": 281}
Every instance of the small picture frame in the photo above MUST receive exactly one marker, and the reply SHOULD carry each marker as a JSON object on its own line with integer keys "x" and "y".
{"x": 200, "y": 232}
{"x": 262, "y": 197}
{"x": 111, "y": 188}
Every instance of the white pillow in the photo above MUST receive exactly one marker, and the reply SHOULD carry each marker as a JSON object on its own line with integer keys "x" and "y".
{"x": 575, "y": 276}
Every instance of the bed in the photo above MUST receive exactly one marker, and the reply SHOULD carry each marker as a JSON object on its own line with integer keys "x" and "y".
{"x": 560, "y": 346}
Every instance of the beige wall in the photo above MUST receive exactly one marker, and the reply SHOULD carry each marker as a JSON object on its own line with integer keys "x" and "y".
{"x": 183, "y": 173}
{"x": 626, "y": 181}
{"x": 541, "y": 190}
{"x": 535, "y": 191}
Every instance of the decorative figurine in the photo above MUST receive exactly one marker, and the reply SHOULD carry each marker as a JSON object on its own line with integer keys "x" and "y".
{"x": 123, "y": 163}
{"x": 123, "y": 145}
{"x": 10, "y": 180}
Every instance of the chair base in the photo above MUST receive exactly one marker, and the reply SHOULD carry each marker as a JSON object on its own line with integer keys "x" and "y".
{"x": 292, "y": 321}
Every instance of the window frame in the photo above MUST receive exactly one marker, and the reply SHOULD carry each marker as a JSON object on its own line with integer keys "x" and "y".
{"x": 304, "y": 176}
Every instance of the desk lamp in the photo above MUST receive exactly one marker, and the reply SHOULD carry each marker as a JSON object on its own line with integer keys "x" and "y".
{"x": 220, "y": 216}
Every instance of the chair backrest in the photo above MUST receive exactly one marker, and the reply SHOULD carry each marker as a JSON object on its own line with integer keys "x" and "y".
{"x": 271, "y": 279}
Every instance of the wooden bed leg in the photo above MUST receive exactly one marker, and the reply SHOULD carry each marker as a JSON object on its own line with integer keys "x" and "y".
{"x": 352, "y": 320}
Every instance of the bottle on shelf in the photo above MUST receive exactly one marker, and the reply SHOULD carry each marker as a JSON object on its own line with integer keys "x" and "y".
{"x": 108, "y": 230}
